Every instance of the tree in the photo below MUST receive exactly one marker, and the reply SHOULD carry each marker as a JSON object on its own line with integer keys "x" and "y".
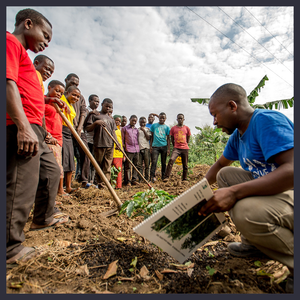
{"x": 277, "y": 104}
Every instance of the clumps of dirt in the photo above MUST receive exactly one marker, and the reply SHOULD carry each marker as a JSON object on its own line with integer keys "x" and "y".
{"x": 77, "y": 257}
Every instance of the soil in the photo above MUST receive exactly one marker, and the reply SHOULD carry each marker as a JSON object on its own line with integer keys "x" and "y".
{"x": 96, "y": 254}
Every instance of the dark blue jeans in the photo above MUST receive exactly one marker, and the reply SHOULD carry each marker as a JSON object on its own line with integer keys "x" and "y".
{"x": 154, "y": 158}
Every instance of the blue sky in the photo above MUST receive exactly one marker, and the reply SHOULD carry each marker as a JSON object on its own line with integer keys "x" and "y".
{"x": 154, "y": 59}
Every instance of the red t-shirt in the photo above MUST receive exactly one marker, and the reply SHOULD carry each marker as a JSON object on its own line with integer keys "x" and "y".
{"x": 20, "y": 69}
{"x": 53, "y": 123}
{"x": 180, "y": 134}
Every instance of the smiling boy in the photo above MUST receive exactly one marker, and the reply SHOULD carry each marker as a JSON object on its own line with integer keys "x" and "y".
{"x": 32, "y": 174}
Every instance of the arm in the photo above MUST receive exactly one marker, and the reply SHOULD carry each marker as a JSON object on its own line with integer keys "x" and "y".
{"x": 27, "y": 140}
{"x": 60, "y": 103}
{"x": 151, "y": 141}
{"x": 172, "y": 140}
{"x": 146, "y": 133}
{"x": 278, "y": 181}
{"x": 168, "y": 145}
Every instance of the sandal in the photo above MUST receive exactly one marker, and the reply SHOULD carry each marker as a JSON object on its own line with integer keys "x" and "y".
{"x": 58, "y": 214}
{"x": 55, "y": 222}
{"x": 88, "y": 185}
{"x": 23, "y": 256}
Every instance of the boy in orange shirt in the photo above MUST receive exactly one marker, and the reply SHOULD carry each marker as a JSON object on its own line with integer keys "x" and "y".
{"x": 180, "y": 137}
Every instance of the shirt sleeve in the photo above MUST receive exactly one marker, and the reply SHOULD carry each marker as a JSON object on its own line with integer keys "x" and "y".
{"x": 12, "y": 60}
{"x": 274, "y": 134}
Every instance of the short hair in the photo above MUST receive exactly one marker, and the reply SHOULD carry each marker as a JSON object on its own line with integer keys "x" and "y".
{"x": 53, "y": 83}
{"x": 92, "y": 96}
{"x": 42, "y": 57}
{"x": 142, "y": 118}
{"x": 180, "y": 114}
{"x": 162, "y": 113}
{"x": 69, "y": 76}
{"x": 231, "y": 89}
{"x": 107, "y": 100}
{"x": 133, "y": 116}
{"x": 71, "y": 88}
{"x": 28, "y": 13}
{"x": 124, "y": 117}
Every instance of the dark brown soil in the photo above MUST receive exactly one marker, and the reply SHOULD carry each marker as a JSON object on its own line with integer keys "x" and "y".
{"x": 76, "y": 256}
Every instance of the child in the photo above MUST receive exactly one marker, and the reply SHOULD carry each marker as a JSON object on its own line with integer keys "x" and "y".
{"x": 118, "y": 155}
{"x": 103, "y": 143}
{"x": 44, "y": 68}
{"x": 94, "y": 103}
{"x": 159, "y": 144}
{"x": 131, "y": 146}
{"x": 144, "y": 156}
{"x": 151, "y": 118}
{"x": 180, "y": 137}
{"x": 71, "y": 96}
{"x": 53, "y": 124}
{"x": 32, "y": 174}
{"x": 124, "y": 121}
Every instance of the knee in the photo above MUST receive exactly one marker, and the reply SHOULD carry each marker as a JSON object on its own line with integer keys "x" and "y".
{"x": 221, "y": 177}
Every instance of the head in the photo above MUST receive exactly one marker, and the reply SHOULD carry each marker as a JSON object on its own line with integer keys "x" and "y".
{"x": 106, "y": 106}
{"x": 44, "y": 65}
{"x": 117, "y": 120}
{"x": 33, "y": 29}
{"x": 151, "y": 118}
{"x": 228, "y": 105}
{"x": 56, "y": 89}
{"x": 94, "y": 101}
{"x": 133, "y": 120}
{"x": 73, "y": 94}
{"x": 162, "y": 118}
{"x": 180, "y": 119}
{"x": 124, "y": 121}
{"x": 72, "y": 79}
{"x": 142, "y": 121}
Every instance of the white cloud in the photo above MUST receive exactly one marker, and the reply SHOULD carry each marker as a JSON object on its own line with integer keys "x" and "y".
{"x": 153, "y": 59}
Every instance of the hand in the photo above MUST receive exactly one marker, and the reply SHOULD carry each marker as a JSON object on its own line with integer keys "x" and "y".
{"x": 78, "y": 130}
{"x": 28, "y": 143}
{"x": 101, "y": 123}
{"x": 223, "y": 200}
{"x": 61, "y": 104}
{"x": 168, "y": 153}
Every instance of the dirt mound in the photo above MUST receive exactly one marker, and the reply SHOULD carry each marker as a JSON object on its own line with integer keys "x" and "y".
{"x": 94, "y": 254}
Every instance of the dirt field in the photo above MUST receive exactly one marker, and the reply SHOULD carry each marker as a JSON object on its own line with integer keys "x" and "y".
{"x": 94, "y": 254}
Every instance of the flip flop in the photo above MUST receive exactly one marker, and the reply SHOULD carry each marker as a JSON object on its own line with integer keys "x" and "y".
{"x": 72, "y": 191}
{"x": 61, "y": 220}
{"x": 58, "y": 214}
{"x": 23, "y": 256}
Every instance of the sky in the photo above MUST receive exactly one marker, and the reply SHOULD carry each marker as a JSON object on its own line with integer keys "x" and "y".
{"x": 155, "y": 59}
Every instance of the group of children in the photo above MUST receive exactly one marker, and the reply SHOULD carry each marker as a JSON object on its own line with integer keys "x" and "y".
{"x": 41, "y": 146}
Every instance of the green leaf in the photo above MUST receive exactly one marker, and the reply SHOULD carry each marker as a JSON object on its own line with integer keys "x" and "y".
{"x": 134, "y": 262}
{"x": 257, "y": 263}
{"x": 129, "y": 208}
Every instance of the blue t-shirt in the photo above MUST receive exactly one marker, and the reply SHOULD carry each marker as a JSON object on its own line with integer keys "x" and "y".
{"x": 269, "y": 133}
{"x": 160, "y": 133}
{"x": 148, "y": 125}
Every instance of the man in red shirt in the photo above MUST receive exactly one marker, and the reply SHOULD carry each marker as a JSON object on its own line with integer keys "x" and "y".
{"x": 180, "y": 137}
{"x": 32, "y": 174}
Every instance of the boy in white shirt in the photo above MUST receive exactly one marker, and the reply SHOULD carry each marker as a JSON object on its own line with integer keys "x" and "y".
{"x": 144, "y": 157}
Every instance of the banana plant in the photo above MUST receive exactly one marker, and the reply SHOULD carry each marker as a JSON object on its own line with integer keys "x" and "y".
{"x": 277, "y": 104}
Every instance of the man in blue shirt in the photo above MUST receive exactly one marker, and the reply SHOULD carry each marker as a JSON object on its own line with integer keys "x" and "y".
{"x": 259, "y": 196}
{"x": 159, "y": 145}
